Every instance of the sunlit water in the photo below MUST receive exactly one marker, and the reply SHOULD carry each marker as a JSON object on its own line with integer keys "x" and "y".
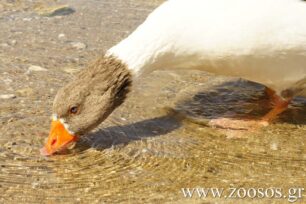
{"x": 156, "y": 143}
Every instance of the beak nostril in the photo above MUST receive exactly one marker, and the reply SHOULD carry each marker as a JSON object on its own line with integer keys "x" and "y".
{"x": 53, "y": 142}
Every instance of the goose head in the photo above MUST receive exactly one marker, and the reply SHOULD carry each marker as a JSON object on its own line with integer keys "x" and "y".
{"x": 87, "y": 101}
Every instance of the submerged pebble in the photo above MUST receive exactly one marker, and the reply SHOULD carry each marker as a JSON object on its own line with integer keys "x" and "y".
{"x": 7, "y": 96}
{"x": 36, "y": 68}
{"x": 78, "y": 45}
{"x": 71, "y": 70}
{"x": 60, "y": 10}
{"x": 61, "y": 36}
{"x": 12, "y": 42}
{"x": 25, "y": 92}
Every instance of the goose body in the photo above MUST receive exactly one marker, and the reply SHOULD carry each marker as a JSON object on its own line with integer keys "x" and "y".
{"x": 263, "y": 41}
{"x": 259, "y": 40}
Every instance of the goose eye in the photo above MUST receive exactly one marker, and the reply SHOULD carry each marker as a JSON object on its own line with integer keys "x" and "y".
{"x": 74, "y": 110}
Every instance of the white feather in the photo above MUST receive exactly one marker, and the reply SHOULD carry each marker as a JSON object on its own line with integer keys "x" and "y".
{"x": 262, "y": 41}
{"x": 62, "y": 120}
{"x": 54, "y": 117}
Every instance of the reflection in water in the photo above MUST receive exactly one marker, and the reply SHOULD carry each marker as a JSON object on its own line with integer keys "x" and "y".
{"x": 239, "y": 99}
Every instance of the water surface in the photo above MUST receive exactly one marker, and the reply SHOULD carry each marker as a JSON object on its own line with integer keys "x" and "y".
{"x": 156, "y": 143}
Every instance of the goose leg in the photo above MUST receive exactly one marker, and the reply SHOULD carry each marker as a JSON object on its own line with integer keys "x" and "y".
{"x": 280, "y": 105}
{"x": 269, "y": 92}
{"x": 235, "y": 126}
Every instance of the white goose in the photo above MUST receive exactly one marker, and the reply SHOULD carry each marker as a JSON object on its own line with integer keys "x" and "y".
{"x": 263, "y": 41}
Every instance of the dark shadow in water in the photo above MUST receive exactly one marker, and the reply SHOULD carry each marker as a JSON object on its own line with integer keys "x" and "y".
{"x": 123, "y": 134}
{"x": 239, "y": 100}
{"x": 235, "y": 99}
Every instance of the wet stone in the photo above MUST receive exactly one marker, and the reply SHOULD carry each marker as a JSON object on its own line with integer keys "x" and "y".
{"x": 35, "y": 68}
{"x": 27, "y": 19}
{"x": 61, "y": 36}
{"x": 7, "y": 96}
{"x": 25, "y": 92}
{"x": 71, "y": 70}
{"x": 4, "y": 45}
{"x": 78, "y": 45}
{"x": 7, "y": 81}
{"x": 12, "y": 42}
{"x": 60, "y": 10}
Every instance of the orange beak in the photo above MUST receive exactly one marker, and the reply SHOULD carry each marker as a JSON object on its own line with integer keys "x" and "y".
{"x": 58, "y": 139}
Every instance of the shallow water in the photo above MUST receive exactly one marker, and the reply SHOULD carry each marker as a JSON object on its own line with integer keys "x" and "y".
{"x": 156, "y": 143}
